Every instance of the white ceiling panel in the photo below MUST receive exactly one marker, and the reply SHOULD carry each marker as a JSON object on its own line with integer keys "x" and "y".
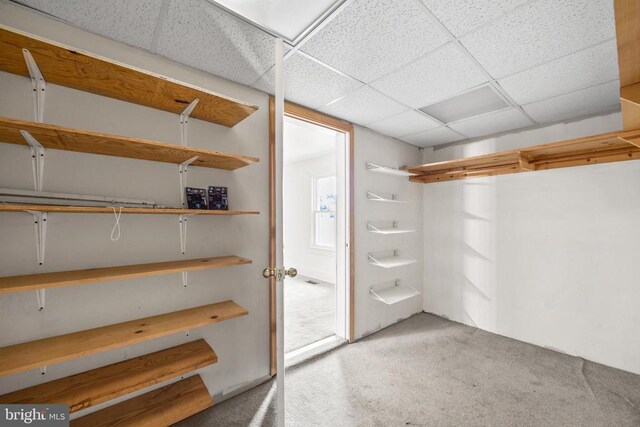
{"x": 460, "y": 16}
{"x": 373, "y": 37}
{"x": 500, "y": 121}
{"x": 364, "y": 106}
{"x": 309, "y": 83}
{"x": 433, "y": 137}
{"x": 203, "y": 36}
{"x": 577, "y": 71}
{"x": 538, "y": 32}
{"x": 131, "y": 22}
{"x": 406, "y": 123}
{"x": 440, "y": 74}
{"x": 597, "y": 99}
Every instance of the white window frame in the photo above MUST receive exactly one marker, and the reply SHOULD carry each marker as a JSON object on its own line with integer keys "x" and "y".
{"x": 315, "y": 212}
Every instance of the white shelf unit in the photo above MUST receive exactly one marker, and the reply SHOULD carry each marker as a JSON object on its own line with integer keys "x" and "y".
{"x": 392, "y": 261}
{"x": 393, "y": 198}
{"x": 372, "y": 167}
{"x": 393, "y": 294}
{"x": 394, "y": 229}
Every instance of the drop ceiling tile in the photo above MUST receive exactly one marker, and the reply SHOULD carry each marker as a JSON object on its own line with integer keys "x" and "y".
{"x": 364, "y": 106}
{"x": 441, "y": 135}
{"x": 373, "y": 37}
{"x": 406, "y": 123}
{"x": 538, "y": 32}
{"x": 577, "y": 71}
{"x": 131, "y": 22}
{"x": 438, "y": 75}
{"x": 488, "y": 124}
{"x": 593, "y": 100}
{"x": 309, "y": 83}
{"x": 203, "y": 36}
{"x": 460, "y": 16}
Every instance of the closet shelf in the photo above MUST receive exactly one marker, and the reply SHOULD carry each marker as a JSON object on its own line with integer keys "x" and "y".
{"x": 393, "y": 294}
{"x": 32, "y": 282}
{"x": 96, "y": 386}
{"x": 110, "y": 210}
{"x": 162, "y": 407}
{"x": 390, "y": 261}
{"x": 388, "y": 230}
{"x": 376, "y": 198}
{"x": 47, "y": 351}
{"x": 603, "y": 148}
{"x": 69, "y": 139}
{"x": 67, "y": 66}
{"x": 387, "y": 170}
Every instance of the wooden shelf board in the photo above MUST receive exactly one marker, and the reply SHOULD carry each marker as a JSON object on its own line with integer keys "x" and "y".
{"x": 69, "y": 139}
{"x": 162, "y": 407}
{"x": 602, "y": 148}
{"x": 32, "y": 282}
{"x": 109, "y": 210}
{"x": 96, "y": 386}
{"x": 67, "y": 66}
{"x": 48, "y": 351}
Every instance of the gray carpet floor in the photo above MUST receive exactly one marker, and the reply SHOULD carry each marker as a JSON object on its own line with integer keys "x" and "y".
{"x": 428, "y": 371}
{"x": 310, "y": 312}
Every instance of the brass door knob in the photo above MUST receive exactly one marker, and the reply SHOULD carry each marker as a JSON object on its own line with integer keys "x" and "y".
{"x": 268, "y": 273}
{"x": 292, "y": 272}
{"x": 278, "y": 273}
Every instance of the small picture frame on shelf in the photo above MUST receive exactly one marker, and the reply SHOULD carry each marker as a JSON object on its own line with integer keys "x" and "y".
{"x": 196, "y": 198}
{"x": 218, "y": 199}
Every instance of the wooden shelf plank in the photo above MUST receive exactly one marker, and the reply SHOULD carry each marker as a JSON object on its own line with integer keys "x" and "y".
{"x": 109, "y": 210}
{"x": 47, "y": 351}
{"x": 67, "y": 66}
{"x": 69, "y": 139}
{"x": 96, "y": 386}
{"x": 30, "y": 282}
{"x": 162, "y": 407}
{"x": 602, "y": 148}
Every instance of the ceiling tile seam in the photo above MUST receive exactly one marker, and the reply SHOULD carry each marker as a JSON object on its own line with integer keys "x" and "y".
{"x": 557, "y": 58}
{"x": 162, "y": 17}
{"x": 473, "y": 59}
{"x": 572, "y": 92}
{"x": 322, "y": 21}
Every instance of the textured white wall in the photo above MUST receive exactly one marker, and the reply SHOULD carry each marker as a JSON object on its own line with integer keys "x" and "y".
{"x": 546, "y": 257}
{"x": 82, "y": 241}
{"x": 299, "y": 217}
{"x": 370, "y": 146}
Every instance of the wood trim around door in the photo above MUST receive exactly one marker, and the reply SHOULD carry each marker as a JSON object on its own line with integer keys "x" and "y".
{"x": 302, "y": 113}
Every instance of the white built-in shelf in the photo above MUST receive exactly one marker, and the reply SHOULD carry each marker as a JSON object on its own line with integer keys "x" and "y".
{"x": 387, "y": 170}
{"x": 390, "y": 261}
{"x": 393, "y": 229}
{"x": 393, "y": 198}
{"x": 394, "y": 293}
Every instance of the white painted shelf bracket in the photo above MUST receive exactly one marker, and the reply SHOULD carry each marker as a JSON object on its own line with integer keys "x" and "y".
{"x": 40, "y": 221}
{"x": 184, "y": 121}
{"x": 40, "y": 294}
{"x": 43, "y": 370}
{"x": 182, "y": 172}
{"x": 182, "y": 223}
{"x": 376, "y": 198}
{"x": 185, "y": 277}
{"x": 38, "y": 83}
{"x": 37, "y": 159}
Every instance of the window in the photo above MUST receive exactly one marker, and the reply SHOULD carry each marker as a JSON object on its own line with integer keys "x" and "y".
{"x": 324, "y": 205}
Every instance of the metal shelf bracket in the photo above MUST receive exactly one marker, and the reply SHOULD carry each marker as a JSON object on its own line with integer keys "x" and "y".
{"x": 38, "y": 83}
{"x": 182, "y": 171}
{"x": 40, "y": 293}
{"x": 40, "y": 221}
{"x": 185, "y": 278}
{"x": 37, "y": 159}
{"x": 182, "y": 222}
{"x": 184, "y": 120}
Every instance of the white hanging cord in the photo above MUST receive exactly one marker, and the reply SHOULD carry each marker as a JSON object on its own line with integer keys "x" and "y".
{"x": 115, "y": 232}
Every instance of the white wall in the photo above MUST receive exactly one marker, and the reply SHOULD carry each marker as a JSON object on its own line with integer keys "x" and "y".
{"x": 547, "y": 257}
{"x": 298, "y": 218}
{"x": 82, "y": 241}
{"x": 372, "y": 315}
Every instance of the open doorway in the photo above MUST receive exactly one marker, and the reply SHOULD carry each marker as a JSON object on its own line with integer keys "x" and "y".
{"x": 314, "y": 173}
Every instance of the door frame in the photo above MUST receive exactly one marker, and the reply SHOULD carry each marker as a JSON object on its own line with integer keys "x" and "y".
{"x": 314, "y": 117}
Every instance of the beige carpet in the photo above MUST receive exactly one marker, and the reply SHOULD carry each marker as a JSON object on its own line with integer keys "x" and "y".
{"x": 428, "y": 371}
